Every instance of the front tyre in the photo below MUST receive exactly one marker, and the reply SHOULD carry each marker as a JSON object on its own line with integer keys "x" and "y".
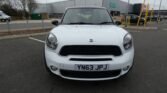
{"x": 3, "y": 20}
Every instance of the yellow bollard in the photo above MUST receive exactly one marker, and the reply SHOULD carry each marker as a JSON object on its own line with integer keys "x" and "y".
{"x": 129, "y": 20}
{"x": 146, "y": 15}
{"x": 140, "y": 13}
{"x": 151, "y": 14}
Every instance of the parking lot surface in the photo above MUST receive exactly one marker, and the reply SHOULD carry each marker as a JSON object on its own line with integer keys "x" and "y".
{"x": 22, "y": 68}
{"x": 26, "y": 25}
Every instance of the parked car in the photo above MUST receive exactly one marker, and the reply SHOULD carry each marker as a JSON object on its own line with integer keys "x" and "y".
{"x": 149, "y": 18}
{"x": 87, "y": 45}
{"x": 165, "y": 17}
{"x": 117, "y": 22}
{"x": 134, "y": 19}
{"x": 154, "y": 18}
{"x": 4, "y": 17}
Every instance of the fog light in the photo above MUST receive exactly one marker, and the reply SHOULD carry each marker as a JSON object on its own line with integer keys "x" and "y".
{"x": 53, "y": 68}
{"x": 126, "y": 68}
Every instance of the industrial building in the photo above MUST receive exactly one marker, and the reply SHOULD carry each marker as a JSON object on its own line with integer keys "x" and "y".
{"x": 59, "y": 7}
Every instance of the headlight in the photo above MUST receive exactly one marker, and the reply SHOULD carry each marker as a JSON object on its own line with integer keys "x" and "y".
{"x": 51, "y": 41}
{"x": 127, "y": 41}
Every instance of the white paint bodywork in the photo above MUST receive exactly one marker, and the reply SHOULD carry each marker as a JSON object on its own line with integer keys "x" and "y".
{"x": 3, "y": 16}
{"x": 80, "y": 35}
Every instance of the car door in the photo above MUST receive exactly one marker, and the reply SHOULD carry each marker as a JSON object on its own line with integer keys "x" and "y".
{"x": 135, "y": 19}
{"x": 132, "y": 19}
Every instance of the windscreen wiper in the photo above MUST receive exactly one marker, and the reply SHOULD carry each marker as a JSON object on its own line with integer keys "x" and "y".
{"x": 79, "y": 23}
{"x": 106, "y": 23}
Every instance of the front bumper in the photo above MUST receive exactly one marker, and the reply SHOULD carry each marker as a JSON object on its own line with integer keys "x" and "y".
{"x": 64, "y": 64}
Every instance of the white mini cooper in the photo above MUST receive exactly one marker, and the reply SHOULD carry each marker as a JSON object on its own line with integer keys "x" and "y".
{"x": 87, "y": 45}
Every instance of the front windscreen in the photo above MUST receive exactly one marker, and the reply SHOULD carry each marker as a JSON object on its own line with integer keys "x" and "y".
{"x": 86, "y": 16}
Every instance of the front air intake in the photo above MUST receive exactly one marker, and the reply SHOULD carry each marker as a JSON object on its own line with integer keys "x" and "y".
{"x": 90, "y": 50}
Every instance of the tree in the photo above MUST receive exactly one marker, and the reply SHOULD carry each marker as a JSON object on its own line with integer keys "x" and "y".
{"x": 7, "y": 7}
{"x": 1, "y": 2}
{"x": 18, "y": 8}
{"x": 4, "y": 2}
{"x": 32, "y": 5}
{"x": 29, "y": 5}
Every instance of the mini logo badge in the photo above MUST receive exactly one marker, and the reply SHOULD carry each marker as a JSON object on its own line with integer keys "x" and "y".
{"x": 91, "y": 40}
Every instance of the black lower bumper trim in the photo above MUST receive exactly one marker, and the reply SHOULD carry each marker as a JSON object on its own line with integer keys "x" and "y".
{"x": 90, "y": 74}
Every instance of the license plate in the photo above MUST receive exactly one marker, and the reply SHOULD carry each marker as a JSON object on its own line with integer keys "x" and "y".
{"x": 91, "y": 67}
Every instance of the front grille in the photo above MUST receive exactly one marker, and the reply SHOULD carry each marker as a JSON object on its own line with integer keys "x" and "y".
{"x": 81, "y": 74}
{"x": 90, "y": 50}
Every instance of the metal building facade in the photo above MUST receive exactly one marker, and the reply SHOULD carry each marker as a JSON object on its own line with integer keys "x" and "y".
{"x": 117, "y": 5}
{"x": 59, "y": 7}
{"x": 88, "y": 2}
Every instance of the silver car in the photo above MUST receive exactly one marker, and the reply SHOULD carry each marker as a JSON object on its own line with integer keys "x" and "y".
{"x": 4, "y": 17}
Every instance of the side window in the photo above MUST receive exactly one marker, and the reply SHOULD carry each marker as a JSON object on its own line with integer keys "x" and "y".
{"x": 131, "y": 17}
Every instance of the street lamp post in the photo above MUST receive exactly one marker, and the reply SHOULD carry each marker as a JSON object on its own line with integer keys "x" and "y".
{"x": 128, "y": 6}
{"x": 154, "y": 4}
{"x": 74, "y": 2}
{"x": 141, "y": 11}
{"x": 102, "y": 3}
{"x": 127, "y": 13}
{"x": 153, "y": 8}
{"x": 159, "y": 11}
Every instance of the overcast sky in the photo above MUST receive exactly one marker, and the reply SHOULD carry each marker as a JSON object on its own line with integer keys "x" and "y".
{"x": 156, "y": 5}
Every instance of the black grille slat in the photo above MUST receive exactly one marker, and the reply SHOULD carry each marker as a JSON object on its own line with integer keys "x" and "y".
{"x": 90, "y": 50}
{"x": 91, "y": 59}
{"x": 95, "y": 74}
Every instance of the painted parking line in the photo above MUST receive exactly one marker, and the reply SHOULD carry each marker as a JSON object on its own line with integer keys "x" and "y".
{"x": 37, "y": 40}
{"x": 143, "y": 28}
{"x": 134, "y": 31}
{"x": 165, "y": 29}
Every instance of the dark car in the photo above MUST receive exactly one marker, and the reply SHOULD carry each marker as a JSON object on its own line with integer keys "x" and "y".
{"x": 154, "y": 18}
{"x": 134, "y": 19}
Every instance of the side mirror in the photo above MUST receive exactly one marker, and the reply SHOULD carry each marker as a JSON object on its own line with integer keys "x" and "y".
{"x": 118, "y": 23}
{"x": 55, "y": 22}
